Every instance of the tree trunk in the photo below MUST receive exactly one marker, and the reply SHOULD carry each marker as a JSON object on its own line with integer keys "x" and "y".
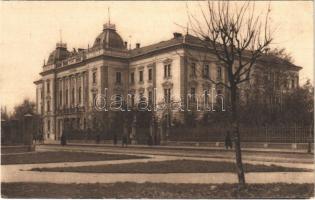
{"x": 237, "y": 138}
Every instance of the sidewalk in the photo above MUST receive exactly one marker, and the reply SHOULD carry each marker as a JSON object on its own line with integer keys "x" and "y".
{"x": 21, "y": 173}
{"x": 184, "y": 147}
{"x": 200, "y": 178}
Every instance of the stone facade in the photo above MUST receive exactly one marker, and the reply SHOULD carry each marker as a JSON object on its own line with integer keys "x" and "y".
{"x": 70, "y": 81}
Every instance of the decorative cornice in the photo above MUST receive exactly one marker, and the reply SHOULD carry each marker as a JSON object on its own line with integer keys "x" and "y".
{"x": 132, "y": 91}
{"x": 167, "y": 61}
{"x": 150, "y": 88}
{"x": 167, "y": 84}
{"x": 141, "y": 90}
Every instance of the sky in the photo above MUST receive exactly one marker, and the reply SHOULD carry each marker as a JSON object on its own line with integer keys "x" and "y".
{"x": 29, "y": 32}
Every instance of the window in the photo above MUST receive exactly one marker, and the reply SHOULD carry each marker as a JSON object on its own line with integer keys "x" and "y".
{"x": 48, "y": 106}
{"x": 292, "y": 83}
{"x": 118, "y": 101}
{"x": 219, "y": 96}
{"x": 219, "y": 73}
{"x": 167, "y": 71}
{"x": 94, "y": 97}
{"x": 66, "y": 96}
{"x": 84, "y": 123}
{"x": 94, "y": 77}
{"x": 118, "y": 97}
{"x": 78, "y": 123}
{"x": 141, "y": 76}
{"x": 167, "y": 95}
{"x": 118, "y": 77}
{"x": 132, "y": 77}
{"x": 132, "y": 100}
{"x": 193, "y": 94}
{"x": 277, "y": 80}
{"x": 206, "y": 71}
{"x": 142, "y": 98}
{"x": 73, "y": 93}
{"x": 206, "y": 96}
{"x": 150, "y": 75}
{"x": 79, "y": 92}
{"x": 60, "y": 97}
{"x": 193, "y": 69}
{"x": 48, "y": 87}
{"x": 150, "y": 98}
{"x": 48, "y": 125}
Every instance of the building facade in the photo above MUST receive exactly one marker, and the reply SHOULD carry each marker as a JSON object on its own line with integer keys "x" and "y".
{"x": 168, "y": 71}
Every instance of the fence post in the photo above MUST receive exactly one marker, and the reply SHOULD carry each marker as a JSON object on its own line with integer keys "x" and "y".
{"x": 309, "y": 148}
{"x": 266, "y": 137}
{"x": 294, "y": 145}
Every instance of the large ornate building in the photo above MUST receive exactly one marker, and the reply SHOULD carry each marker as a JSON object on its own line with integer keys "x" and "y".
{"x": 168, "y": 70}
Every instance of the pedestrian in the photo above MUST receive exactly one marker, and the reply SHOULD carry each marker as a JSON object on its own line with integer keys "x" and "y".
{"x": 98, "y": 137}
{"x": 88, "y": 133}
{"x": 124, "y": 140}
{"x": 64, "y": 137}
{"x": 150, "y": 140}
{"x": 115, "y": 139}
{"x": 228, "y": 141}
{"x": 133, "y": 138}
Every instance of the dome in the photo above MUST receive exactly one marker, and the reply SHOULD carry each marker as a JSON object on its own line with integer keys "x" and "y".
{"x": 109, "y": 38}
{"x": 58, "y": 54}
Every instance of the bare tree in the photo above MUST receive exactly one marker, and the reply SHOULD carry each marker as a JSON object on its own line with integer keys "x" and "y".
{"x": 238, "y": 37}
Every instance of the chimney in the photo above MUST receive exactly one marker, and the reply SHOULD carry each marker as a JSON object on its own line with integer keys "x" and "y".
{"x": 137, "y": 45}
{"x": 177, "y": 35}
{"x": 126, "y": 44}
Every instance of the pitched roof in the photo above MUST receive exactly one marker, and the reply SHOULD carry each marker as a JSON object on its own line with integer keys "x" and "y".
{"x": 195, "y": 41}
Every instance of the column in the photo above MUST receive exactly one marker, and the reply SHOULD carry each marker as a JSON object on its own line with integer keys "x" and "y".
{"x": 69, "y": 91}
{"x": 64, "y": 92}
{"x": 61, "y": 91}
{"x": 82, "y": 88}
{"x": 75, "y": 89}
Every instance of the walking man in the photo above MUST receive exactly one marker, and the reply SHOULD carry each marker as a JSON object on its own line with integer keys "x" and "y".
{"x": 228, "y": 141}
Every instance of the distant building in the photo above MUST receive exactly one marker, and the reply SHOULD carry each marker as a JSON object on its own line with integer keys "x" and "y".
{"x": 70, "y": 81}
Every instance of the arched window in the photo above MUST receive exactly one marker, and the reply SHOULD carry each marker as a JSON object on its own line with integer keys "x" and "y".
{"x": 60, "y": 98}
{"x": 79, "y": 95}
{"x": 72, "y": 95}
{"x": 66, "y": 96}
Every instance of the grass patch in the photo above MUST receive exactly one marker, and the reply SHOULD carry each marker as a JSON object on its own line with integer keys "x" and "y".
{"x": 171, "y": 166}
{"x": 155, "y": 190}
{"x": 61, "y": 156}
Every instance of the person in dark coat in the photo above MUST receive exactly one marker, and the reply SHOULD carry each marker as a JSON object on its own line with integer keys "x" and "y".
{"x": 124, "y": 137}
{"x": 228, "y": 141}
{"x": 150, "y": 140}
{"x": 114, "y": 136}
{"x": 98, "y": 137}
{"x": 115, "y": 139}
{"x": 64, "y": 137}
{"x": 88, "y": 133}
{"x": 124, "y": 140}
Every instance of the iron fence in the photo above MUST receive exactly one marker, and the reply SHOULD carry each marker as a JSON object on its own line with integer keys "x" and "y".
{"x": 266, "y": 134}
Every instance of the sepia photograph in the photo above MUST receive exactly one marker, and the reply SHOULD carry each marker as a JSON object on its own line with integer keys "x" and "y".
{"x": 157, "y": 99}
